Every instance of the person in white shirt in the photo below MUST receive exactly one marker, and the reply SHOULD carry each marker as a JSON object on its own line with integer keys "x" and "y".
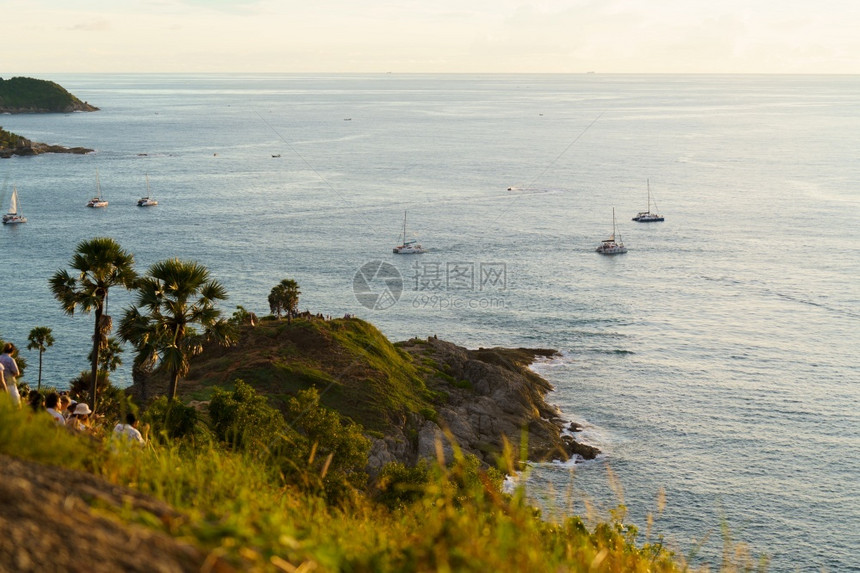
{"x": 129, "y": 430}
{"x": 52, "y": 401}
{"x": 10, "y": 372}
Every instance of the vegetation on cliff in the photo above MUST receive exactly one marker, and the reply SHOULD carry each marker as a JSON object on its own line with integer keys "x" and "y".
{"x": 30, "y": 95}
{"x": 196, "y": 505}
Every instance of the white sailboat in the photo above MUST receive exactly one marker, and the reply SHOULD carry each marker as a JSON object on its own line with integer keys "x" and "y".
{"x": 610, "y": 246}
{"x": 408, "y": 247}
{"x": 97, "y": 201}
{"x": 147, "y": 201}
{"x": 648, "y": 216}
{"x": 14, "y": 215}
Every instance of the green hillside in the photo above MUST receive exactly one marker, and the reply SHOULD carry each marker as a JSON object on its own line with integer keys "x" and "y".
{"x": 365, "y": 377}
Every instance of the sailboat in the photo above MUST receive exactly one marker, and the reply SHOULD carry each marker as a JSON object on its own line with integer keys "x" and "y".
{"x": 147, "y": 201}
{"x": 610, "y": 246}
{"x": 14, "y": 216}
{"x": 97, "y": 201}
{"x": 648, "y": 216}
{"x": 407, "y": 247}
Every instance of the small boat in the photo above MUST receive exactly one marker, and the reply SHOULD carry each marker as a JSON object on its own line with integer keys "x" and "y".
{"x": 14, "y": 216}
{"x": 610, "y": 246}
{"x": 407, "y": 247}
{"x": 97, "y": 201}
{"x": 276, "y": 155}
{"x": 648, "y": 216}
{"x": 147, "y": 201}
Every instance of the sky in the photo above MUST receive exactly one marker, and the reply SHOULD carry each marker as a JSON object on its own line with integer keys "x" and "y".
{"x": 430, "y": 36}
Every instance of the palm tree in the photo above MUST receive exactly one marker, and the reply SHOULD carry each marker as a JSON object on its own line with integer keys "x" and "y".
{"x": 173, "y": 298}
{"x": 100, "y": 264}
{"x": 42, "y": 338}
{"x": 109, "y": 356}
{"x": 284, "y": 297}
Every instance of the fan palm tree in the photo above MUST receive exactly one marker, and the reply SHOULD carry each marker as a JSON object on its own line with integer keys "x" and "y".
{"x": 109, "y": 356}
{"x": 98, "y": 265}
{"x": 284, "y": 297}
{"x": 40, "y": 338}
{"x": 173, "y": 298}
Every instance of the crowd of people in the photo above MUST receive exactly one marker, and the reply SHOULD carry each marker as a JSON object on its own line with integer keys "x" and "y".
{"x": 76, "y": 416}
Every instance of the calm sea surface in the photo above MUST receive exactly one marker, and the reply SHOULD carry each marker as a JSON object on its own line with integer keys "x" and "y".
{"x": 717, "y": 360}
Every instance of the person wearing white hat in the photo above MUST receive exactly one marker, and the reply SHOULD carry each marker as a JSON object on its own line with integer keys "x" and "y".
{"x": 80, "y": 418}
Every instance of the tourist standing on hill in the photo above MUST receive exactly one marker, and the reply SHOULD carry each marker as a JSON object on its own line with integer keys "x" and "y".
{"x": 10, "y": 372}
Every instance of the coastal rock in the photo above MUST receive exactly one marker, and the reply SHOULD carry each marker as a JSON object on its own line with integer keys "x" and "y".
{"x": 11, "y": 144}
{"x": 492, "y": 397}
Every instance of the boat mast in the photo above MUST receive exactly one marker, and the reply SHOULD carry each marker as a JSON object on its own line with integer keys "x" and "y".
{"x": 404, "y": 227}
{"x": 648, "y": 182}
{"x": 613, "y": 223}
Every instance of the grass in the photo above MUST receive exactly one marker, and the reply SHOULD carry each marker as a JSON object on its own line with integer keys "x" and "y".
{"x": 236, "y": 506}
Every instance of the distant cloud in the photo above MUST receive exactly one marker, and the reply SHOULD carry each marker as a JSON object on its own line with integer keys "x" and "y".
{"x": 94, "y": 26}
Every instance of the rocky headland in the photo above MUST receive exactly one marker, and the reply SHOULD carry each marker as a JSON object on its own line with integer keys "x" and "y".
{"x": 407, "y": 396}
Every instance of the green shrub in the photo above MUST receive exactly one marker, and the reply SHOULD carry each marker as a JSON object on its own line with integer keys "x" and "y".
{"x": 399, "y": 485}
{"x": 337, "y": 447}
{"x": 172, "y": 420}
{"x": 244, "y": 418}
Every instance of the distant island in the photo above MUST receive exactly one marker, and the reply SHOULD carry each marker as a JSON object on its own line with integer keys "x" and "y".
{"x": 13, "y": 144}
{"x": 29, "y": 95}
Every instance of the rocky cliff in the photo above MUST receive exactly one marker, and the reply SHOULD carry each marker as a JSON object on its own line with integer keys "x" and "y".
{"x": 491, "y": 397}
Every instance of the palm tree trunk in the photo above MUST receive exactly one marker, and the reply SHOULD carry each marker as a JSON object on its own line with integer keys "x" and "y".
{"x": 41, "y": 352}
{"x": 174, "y": 382}
{"x": 95, "y": 366}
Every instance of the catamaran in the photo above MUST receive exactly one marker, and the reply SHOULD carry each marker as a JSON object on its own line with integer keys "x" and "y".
{"x": 147, "y": 201}
{"x": 97, "y": 201}
{"x": 408, "y": 247}
{"x": 610, "y": 246}
{"x": 648, "y": 216}
{"x": 14, "y": 216}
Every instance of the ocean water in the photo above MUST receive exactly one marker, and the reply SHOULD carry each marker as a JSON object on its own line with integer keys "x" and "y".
{"x": 716, "y": 361}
